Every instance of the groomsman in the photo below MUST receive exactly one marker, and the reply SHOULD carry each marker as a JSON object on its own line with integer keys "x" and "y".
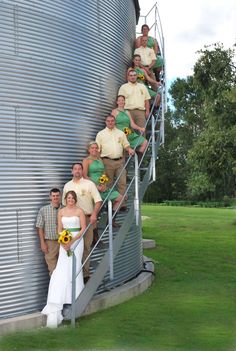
{"x": 112, "y": 143}
{"x": 46, "y": 225}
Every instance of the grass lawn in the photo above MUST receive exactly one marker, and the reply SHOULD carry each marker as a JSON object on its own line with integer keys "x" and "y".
{"x": 191, "y": 305}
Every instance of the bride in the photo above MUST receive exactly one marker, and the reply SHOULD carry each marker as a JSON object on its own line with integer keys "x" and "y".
{"x": 59, "y": 292}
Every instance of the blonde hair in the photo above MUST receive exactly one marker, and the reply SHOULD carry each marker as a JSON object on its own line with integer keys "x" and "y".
{"x": 91, "y": 143}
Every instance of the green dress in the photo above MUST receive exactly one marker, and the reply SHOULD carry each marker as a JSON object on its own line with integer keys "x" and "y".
{"x": 123, "y": 121}
{"x": 141, "y": 79}
{"x": 95, "y": 170}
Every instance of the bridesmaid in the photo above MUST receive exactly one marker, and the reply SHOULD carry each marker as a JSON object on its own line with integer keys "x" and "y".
{"x": 124, "y": 121}
{"x": 93, "y": 169}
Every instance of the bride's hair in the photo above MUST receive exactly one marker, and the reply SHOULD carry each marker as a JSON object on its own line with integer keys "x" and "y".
{"x": 72, "y": 193}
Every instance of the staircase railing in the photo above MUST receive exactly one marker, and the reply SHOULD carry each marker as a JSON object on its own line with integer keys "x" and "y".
{"x": 153, "y": 19}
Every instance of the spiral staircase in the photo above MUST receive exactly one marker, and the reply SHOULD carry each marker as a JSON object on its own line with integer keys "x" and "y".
{"x": 141, "y": 173}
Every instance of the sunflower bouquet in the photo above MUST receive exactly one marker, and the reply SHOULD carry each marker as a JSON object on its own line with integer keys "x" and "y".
{"x": 127, "y": 131}
{"x": 64, "y": 238}
{"x": 103, "y": 179}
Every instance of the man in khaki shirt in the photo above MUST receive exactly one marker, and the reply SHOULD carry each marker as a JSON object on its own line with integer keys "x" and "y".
{"x": 136, "y": 99}
{"x": 112, "y": 142}
{"x": 148, "y": 56}
{"x": 89, "y": 200}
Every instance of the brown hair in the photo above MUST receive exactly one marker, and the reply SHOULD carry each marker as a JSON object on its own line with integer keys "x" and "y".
{"x": 72, "y": 193}
{"x": 143, "y": 26}
{"x": 77, "y": 163}
{"x": 118, "y": 96}
{"x": 136, "y": 55}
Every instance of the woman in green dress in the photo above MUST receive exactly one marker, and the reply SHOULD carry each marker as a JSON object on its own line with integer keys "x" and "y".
{"x": 94, "y": 169}
{"x": 125, "y": 122}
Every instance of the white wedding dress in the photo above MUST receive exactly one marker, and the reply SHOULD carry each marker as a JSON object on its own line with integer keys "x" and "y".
{"x": 59, "y": 291}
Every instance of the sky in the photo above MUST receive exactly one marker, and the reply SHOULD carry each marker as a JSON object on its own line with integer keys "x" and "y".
{"x": 188, "y": 26}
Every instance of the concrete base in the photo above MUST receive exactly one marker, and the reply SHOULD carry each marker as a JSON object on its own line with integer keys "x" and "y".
{"x": 102, "y": 301}
{"x": 29, "y": 321}
{"x": 122, "y": 293}
{"x": 149, "y": 244}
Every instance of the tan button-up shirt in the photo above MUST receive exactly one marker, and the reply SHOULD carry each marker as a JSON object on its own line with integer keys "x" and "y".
{"x": 135, "y": 95}
{"x": 112, "y": 142}
{"x": 147, "y": 55}
{"x": 87, "y": 194}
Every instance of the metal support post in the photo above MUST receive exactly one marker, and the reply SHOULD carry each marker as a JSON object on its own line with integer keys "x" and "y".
{"x": 153, "y": 150}
{"x": 73, "y": 290}
{"x": 110, "y": 240}
{"x": 136, "y": 196}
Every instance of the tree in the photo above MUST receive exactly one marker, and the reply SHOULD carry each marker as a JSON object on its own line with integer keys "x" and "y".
{"x": 212, "y": 157}
{"x": 212, "y": 161}
{"x": 198, "y": 160}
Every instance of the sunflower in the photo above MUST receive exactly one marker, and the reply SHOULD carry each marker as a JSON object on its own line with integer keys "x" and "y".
{"x": 103, "y": 179}
{"x": 141, "y": 76}
{"x": 65, "y": 237}
{"x": 127, "y": 131}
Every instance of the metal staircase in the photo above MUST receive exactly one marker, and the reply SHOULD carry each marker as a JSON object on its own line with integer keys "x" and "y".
{"x": 141, "y": 173}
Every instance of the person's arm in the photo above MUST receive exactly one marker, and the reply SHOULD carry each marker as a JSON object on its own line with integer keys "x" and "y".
{"x": 133, "y": 124}
{"x": 114, "y": 112}
{"x": 94, "y": 215}
{"x": 97, "y": 201}
{"x": 40, "y": 223}
{"x": 59, "y": 222}
{"x": 150, "y": 80}
{"x": 63, "y": 196}
{"x": 43, "y": 243}
{"x": 98, "y": 141}
{"x": 153, "y": 57}
{"x": 127, "y": 145}
{"x": 85, "y": 168}
{"x": 138, "y": 42}
{"x": 151, "y": 64}
{"x": 147, "y": 108}
{"x": 156, "y": 47}
{"x": 130, "y": 151}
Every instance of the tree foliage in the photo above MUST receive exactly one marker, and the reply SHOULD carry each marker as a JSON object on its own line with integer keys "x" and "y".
{"x": 199, "y": 158}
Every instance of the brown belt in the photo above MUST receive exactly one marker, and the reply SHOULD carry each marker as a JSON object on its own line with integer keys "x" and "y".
{"x": 113, "y": 159}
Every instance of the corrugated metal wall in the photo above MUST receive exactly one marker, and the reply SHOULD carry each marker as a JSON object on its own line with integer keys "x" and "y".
{"x": 61, "y": 63}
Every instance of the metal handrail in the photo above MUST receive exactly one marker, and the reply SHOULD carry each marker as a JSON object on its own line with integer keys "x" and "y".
{"x": 157, "y": 25}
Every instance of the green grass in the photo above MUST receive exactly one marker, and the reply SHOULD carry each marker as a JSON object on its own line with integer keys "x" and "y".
{"x": 191, "y": 305}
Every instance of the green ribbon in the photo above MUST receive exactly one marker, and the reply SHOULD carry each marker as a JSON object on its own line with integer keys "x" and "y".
{"x": 73, "y": 229}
